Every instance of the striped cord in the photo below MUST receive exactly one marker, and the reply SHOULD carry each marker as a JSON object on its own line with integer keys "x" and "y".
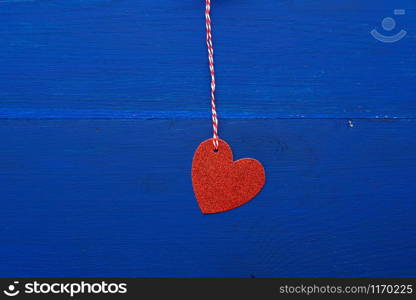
{"x": 211, "y": 69}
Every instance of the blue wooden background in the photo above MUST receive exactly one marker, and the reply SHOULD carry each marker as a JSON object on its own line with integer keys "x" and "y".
{"x": 102, "y": 103}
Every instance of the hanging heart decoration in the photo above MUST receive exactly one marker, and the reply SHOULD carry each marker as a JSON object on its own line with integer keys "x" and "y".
{"x": 221, "y": 184}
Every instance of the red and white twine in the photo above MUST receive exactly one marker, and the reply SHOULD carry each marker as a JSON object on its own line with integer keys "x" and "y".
{"x": 211, "y": 69}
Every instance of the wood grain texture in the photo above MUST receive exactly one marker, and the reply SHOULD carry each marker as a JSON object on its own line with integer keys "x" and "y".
{"x": 112, "y": 198}
{"x": 282, "y": 58}
{"x": 103, "y": 102}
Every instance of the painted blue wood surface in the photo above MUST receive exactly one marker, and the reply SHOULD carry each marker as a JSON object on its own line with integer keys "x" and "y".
{"x": 103, "y": 102}
{"x": 283, "y": 58}
{"x": 114, "y": 198}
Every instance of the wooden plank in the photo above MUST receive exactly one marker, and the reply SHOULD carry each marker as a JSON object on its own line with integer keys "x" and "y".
{"x": 283, "y": 59}
{"x": 114, "y": 198}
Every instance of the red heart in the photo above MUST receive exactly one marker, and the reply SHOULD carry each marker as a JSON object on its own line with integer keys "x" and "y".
{"x": 221, "y": 184}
